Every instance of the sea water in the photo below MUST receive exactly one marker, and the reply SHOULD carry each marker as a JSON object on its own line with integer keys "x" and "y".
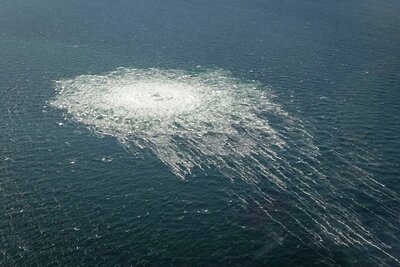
{"x": 199, "y": 133}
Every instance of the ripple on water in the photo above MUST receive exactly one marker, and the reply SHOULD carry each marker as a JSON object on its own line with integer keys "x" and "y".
{"x": 210, "y": 119}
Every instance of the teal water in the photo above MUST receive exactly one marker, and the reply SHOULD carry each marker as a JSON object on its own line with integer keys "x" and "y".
{"x": 185, "y": 133}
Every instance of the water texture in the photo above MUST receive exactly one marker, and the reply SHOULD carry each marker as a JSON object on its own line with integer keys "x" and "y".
{"x": 209, "y": 120}
{"x": 199, "y": 133}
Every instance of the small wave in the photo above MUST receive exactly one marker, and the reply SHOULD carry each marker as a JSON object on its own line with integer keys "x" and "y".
{"x": 212, "y": 120}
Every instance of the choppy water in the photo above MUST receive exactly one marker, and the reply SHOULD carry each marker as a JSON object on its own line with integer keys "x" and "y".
{"x": 186, "y": 133}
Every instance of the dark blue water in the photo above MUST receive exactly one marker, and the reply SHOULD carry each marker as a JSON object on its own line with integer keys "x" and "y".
{"x": 73, "y": 192}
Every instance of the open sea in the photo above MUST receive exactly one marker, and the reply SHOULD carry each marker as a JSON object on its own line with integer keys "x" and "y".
{"x": 199, "y": 133}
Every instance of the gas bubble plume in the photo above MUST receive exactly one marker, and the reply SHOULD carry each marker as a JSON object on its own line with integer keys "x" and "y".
{"x": 204, "y": 120}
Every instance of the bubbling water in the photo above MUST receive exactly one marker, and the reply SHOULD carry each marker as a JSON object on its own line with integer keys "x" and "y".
{"x": 154, "y": 108}
{"x": 158, "y": 100}
{"x": 210, "y": 119}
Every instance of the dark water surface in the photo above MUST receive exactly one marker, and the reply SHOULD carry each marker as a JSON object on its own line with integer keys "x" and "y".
{"x": 307, "y": 177}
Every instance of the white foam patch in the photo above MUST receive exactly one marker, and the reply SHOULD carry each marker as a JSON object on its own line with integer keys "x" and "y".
{"x": 155, "y": 108}
{"x": 210, "y": 119}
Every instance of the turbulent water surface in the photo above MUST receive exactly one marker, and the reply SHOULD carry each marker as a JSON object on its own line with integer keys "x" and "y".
{"x": 261, "y": 133}
{"x": 210, "y": 120}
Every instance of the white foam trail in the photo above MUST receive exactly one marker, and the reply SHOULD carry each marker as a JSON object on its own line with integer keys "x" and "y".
{"x": 211, "y": 120}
